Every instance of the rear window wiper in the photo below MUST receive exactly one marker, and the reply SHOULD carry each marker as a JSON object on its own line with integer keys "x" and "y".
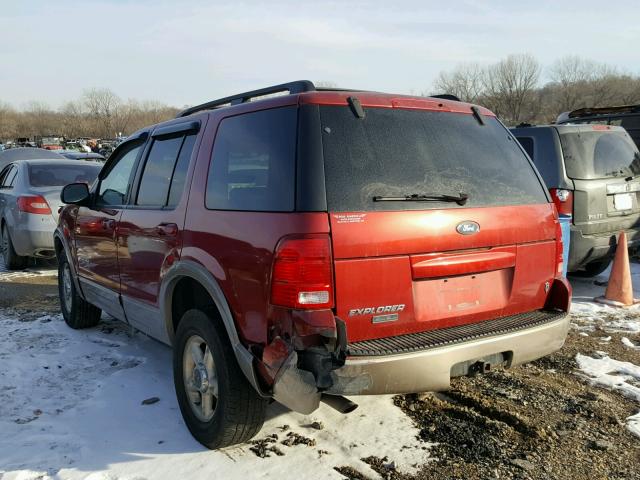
{"x": 461, "y": 199}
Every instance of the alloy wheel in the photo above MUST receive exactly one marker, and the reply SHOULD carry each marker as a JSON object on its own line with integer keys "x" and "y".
{"x": 200, "y": 379}
{"x": 67, "y": 288}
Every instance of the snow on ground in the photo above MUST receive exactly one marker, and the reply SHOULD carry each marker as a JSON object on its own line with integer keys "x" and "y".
{"x": 70, "y": 408}
{"x": 36, "y": 269}
{"x": 602, "y": 371}
{"x": 615, "y": 375}
{"x": 588, "y": 314}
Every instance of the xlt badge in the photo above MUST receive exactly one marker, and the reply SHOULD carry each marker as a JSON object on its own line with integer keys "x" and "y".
{"x": 373, "y": 310}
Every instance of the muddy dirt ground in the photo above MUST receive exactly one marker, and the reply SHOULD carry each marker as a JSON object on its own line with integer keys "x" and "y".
{"x": 542, "y": 421}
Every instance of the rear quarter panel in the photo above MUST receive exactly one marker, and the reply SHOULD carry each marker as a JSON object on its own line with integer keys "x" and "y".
{"x": 237, "y": 247}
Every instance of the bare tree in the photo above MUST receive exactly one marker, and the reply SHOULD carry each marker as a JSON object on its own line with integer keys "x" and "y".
{"x": 8, "y": 122}
{"x": 572, "y": 75}
{"x": 466, "y": 82}
{"x": 73, "y": 119}
{"x": 105, "y": 107}
{"x": 40, "y": 118}
{"x": 509, "y": 88}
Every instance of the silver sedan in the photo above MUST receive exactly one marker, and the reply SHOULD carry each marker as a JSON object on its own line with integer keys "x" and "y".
{"x": 29, "y": 204}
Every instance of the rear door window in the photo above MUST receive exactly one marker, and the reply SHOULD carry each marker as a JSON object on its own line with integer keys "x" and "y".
{"x": 253, "y": 162}
{"x": 165, "y": 170}
{"x": 396, "y": 153}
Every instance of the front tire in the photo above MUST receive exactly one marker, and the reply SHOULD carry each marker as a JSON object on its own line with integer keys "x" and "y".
{"x": 219, "y": 406}
{"x": 12, "y": 260}
{"x": 77, "y": 312}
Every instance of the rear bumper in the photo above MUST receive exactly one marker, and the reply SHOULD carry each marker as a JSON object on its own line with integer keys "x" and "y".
{"x": 432, "y": 370}
{"x": 585, "y": 249}
{"x": 33, "y": 235}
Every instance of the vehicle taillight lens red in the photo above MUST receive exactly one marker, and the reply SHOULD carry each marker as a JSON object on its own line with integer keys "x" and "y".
{"x": 563, "y": 200}
{"x": 302, "y": 274}
{"x": 34, "y": 204}
{"x": 559, "y": 249}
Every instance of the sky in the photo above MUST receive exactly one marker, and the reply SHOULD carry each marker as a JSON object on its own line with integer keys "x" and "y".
{"x": 184, "y": 53}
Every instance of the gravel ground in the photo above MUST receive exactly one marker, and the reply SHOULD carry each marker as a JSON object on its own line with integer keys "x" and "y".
{"x": 541, "y": 421}
{"x": 31, "y": 290}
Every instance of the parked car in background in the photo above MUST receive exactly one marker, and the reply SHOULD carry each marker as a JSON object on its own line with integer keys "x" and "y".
{"x": 50, "y": 142}
{"x": 317, "y": 244}
{"x": 27, "y": 153}
{"x": 74, "y": 155}
{"x": 29, "y": 204}
{"x": 593, "y": 173}
{"x": 626, "y": 116}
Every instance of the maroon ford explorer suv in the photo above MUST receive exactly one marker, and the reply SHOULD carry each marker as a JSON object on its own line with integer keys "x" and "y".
{"x": 316, "y": 244}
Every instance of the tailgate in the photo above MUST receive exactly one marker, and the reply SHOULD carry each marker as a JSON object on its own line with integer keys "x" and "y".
{"x": 602, "y": 206}
{"x": 401, "y": 272}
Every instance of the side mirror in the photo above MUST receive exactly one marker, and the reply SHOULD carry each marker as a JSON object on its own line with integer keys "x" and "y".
{"x": 75, "y": 193}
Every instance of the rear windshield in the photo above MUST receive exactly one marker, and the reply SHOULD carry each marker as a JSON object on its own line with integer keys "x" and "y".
{"x": 599, "y": 154}
{"x": 51, "y": 175}
{"x": 393, "y": 152}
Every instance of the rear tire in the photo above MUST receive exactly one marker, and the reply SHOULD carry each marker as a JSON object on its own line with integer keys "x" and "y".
{"x": 12, "y": 260}
{"x": 224, "y": 409}
{"x": 594, "y": 268}
{"x": 77, "y": 312}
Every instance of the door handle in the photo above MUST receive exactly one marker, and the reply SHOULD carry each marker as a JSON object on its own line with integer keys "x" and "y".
{"x": 167, "y": 229}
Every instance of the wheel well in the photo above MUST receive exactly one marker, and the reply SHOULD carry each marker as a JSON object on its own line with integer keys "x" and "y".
{"x": 188, "y": 294}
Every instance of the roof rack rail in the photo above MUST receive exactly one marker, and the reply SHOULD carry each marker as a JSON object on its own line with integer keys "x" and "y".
{"x": 291, "y": 87}
{"x": 593, "y": 111}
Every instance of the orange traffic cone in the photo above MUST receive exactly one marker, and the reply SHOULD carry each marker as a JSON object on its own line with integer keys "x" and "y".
{"x": 619, "y": 291}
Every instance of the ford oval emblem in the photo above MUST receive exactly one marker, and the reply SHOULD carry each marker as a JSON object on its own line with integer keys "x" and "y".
{"x": 468, "y": 228}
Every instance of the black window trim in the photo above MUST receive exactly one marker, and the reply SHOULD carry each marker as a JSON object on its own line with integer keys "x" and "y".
{"x": 177, "y": 129}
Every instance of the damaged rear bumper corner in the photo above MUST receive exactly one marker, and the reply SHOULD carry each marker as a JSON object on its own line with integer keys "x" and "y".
{"x": 431, "y": 370}
{"x": 296, "y": 388}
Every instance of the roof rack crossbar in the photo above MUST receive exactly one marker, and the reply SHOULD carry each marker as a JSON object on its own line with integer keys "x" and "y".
{"x": 291, "y": 87}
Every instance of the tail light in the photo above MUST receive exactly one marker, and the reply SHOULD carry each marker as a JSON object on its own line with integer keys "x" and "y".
{"x": 302, "y": 274}
{"x": 559, "y": 249}
{"x": 34, "y": 204}
{"x": 563, "y": 200}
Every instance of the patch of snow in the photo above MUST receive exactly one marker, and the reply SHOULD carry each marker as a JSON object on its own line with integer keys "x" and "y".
{"x": 633, "y": 424}
{"x": 38, "y": 268}
{"x": 587, "y": 315}
{"x": 70, "y": 408}
{"x": 614, "y": 375}
{"x": 628, "y": 343}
